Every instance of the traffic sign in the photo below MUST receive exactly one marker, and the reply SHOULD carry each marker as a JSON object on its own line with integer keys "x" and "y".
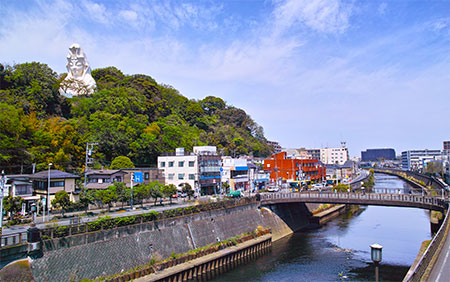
{"x": 138, "y": 178}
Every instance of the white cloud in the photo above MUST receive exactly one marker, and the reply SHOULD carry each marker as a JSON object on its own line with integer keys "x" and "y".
{"x": 328, "y": 16}
{"x": 96, "y": 11}
{"x": 128, "y": 15}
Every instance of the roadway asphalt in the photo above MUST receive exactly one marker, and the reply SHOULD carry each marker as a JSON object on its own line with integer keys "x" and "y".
{"x": 118, "y": 213}
{"x": 441, "y": 269}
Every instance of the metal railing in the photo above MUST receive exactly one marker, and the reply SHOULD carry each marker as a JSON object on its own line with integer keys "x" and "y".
{"x": 421, "y": 267}
{"x": 13, "y": 239}
{"x": 358, "y": 198}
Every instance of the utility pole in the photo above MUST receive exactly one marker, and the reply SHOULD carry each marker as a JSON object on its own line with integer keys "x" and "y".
{"x": 2, "y": 188}
{"x": 89, "y": 160}
{"x": 131, "y": 200}
{"x": 276, "y": 171}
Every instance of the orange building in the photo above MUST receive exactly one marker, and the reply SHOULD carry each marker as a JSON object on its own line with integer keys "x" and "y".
{"x": 294, "y": 169}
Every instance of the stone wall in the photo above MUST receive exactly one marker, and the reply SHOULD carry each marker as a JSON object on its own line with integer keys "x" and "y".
{"x": 111, "y": 251}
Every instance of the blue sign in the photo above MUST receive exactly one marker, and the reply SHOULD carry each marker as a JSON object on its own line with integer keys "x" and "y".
{"x": 138, "y": 178}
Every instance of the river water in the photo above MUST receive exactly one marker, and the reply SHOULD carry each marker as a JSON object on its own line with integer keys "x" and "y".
{"x": 340, "y": 250}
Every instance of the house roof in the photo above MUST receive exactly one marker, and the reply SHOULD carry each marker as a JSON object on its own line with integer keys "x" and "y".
{"x": 105, "y": 172}
{"x": 54, "y": 174}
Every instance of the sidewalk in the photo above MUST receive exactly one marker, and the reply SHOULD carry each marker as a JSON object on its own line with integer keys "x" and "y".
{"x": 115, "y": 212}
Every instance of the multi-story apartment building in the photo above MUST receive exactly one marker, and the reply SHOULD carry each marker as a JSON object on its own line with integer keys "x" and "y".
{"x": 235, "y": 172}
{"x": 275, "y": 146}
{"x": 314, "y": 153}
{"x": 373, "y": 155}
{"x": 282, "y": 168}
{"x": 334, "y": 155}
{"x": 201, "y": 169}
{"x": 415, "y": 159}
{"x": 180, "y": 168}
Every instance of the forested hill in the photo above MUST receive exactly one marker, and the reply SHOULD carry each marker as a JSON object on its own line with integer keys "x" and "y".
{"x": 128, "y": 115}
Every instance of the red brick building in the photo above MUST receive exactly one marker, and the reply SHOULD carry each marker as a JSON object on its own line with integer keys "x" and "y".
{"x": 294, "y": 169}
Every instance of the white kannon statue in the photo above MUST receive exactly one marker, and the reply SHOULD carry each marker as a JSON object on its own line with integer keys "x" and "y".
{"x": 79, "y": 80}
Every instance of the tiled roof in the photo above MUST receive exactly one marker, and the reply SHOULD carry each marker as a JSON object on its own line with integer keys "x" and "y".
{"x": 54, "y": 174}
{"x": 104, "y": 172}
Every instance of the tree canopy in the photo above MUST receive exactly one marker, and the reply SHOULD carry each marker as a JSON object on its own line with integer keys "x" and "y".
{"x": 128, "y": 115}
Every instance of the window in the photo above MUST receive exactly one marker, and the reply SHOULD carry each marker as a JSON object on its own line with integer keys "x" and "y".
{"x": 191, "y": 176}
{"x": 180, "y": 176}
{"x": 56, "y": 183}
{"x": 118, "y": 179}
{"x": 191, "y": 163}
{"x": 180, "y": 164}
{"x": 146, "y": 176}
{"x": 163, "y": 164}
{"x": 171, "y": 175}
{"x": 170, "y": 164}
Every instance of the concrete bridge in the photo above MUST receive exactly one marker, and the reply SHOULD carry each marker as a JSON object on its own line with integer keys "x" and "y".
{"x": 395, "y": 200}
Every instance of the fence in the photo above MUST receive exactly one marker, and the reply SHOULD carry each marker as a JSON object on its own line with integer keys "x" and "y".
{"x": 359, "y": 198}
{"x": 417, "y": 273}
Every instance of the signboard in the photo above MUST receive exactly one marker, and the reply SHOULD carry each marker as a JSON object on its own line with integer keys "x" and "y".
{"x": 138, "y": 178}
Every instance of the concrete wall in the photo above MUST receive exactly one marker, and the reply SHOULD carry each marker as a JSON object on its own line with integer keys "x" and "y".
{"x": 111, "y": 251}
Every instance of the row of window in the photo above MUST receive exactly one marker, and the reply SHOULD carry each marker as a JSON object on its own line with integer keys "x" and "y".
{"x": 180, "y": 164}
{"x": 171, "y": 176}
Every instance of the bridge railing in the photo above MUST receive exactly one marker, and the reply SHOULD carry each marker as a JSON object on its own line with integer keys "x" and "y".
{"x": 417, "y": 273}
{"x": 13, "y": 239}
{"x": 429, "y": 200}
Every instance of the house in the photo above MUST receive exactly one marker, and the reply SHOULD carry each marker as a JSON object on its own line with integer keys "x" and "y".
{"x": 59, "y": 181}
{"x": 149, "y": 174}
{"x": 103, "y": 178}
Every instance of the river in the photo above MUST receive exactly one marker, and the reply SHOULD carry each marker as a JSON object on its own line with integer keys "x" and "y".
{"x": 340, "y": 250}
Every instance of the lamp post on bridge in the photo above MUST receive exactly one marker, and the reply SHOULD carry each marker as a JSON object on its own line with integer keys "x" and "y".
{"x": 376, "y": 254}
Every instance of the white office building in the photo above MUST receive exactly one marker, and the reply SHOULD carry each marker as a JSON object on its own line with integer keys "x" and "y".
{"x": 180, "y": 168}
{"x": 415, "y": 160}
{"x": 334, "y": 155}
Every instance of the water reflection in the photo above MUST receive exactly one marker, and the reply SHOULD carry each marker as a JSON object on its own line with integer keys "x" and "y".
{"x": 340, "y": 249}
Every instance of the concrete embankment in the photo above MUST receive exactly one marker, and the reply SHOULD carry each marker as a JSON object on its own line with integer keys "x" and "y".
{"x": 107, "y": 252}
{"x": 213, "y": 264}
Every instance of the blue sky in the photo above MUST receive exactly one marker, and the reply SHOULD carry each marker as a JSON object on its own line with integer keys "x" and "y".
{"x": 312, "y": 73}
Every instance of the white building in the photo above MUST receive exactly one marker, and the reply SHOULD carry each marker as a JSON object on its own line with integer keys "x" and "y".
{"x": 416, "y": 159}
{"x": 180, "y": 168}
{"x": 334, "y": 155}
{"x": 235, "y": 173}
{"x": 201, "y": 169}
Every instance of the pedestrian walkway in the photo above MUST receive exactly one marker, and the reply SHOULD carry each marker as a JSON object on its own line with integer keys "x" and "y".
{"x": 116, "y": 212}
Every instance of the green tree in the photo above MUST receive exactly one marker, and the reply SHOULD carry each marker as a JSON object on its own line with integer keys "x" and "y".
{"x": 61, "y": 200}
{"x": 187, "y": 188}
{"x": 12, "y": 205}
{"x": 106, "y": 196}
{"x": 169, "y": 191}
{"x": 122, "y": 162}
{"x": 87, "y": 197}
{"x": 141, "y": 192}
{"x": 122, "y": 191}
{"x": 155, "y": 191}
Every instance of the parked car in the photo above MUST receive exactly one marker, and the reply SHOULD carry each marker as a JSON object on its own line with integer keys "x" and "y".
{"x": 273, "y": 189}
{"x": 316, "y": 186}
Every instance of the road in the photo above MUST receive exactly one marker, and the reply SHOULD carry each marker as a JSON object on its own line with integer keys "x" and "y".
{"x": 119, "y": 213}
{"x": 441, "y": 269}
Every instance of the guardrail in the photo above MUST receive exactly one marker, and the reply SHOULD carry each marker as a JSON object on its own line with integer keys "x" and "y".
{"x": 419, "y": 270}
{"x": 13, "y": 239}
{"x": 427, "y": 202}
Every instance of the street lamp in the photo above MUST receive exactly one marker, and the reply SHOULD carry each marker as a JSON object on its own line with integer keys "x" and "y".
{"x": 48, "y": 193}
{"x": 376, "y": 251}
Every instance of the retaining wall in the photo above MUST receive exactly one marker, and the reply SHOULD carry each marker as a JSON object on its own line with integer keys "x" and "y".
{"x": 108, "y": 252}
